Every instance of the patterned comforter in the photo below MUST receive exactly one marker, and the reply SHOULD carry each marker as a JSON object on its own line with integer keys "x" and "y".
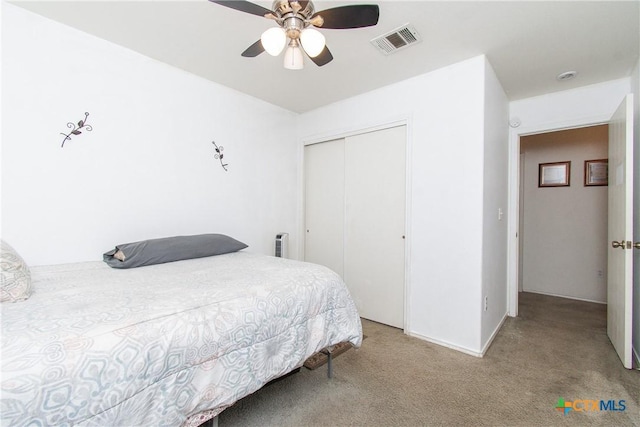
{"x": 162, "y": 345}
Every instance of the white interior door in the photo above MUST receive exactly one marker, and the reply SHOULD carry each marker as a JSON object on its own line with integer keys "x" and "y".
{"x": 620, "y": 255}
{"x": 324, "y": 204}
{"x": 375, "y": 178}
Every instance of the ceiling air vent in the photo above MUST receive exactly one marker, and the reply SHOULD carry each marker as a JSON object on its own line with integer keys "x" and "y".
{"x": 397, "y": 39}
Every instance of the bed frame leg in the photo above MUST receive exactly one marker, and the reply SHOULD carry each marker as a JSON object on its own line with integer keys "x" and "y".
{"x": 329, "y": 353}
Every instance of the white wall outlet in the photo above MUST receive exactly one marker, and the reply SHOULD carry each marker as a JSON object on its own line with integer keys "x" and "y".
{"x": 486, "y": 303}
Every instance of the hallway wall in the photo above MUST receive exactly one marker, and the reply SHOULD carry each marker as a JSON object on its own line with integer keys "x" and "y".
{"x": 564, "y": 229}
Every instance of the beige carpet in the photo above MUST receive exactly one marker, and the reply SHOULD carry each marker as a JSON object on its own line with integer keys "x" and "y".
{"x": 556, "y": 348}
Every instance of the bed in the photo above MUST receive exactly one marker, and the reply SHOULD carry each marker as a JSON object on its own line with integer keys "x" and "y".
{"x": 170, "y": 344}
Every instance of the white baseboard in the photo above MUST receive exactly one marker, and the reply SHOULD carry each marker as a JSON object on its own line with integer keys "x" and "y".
{"x": 464, "y": 349}
{"x": 494, "y": 334}
{"x": 636, "y": 356}
{"x": 446, "y": 344}
{"x": 565, "y": 296}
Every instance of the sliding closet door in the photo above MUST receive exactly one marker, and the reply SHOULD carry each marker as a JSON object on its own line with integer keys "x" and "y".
{"x": 375, "y": 194}
{"x": 324, "y": 204}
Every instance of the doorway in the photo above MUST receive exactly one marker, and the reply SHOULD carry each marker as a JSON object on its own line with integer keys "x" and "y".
{"x": 563, "y": 228}
{"x": 620, "y": 276}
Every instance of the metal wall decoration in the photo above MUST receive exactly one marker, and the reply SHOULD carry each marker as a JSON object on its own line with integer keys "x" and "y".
{"x": 75, "y": 129}
{"x": 219, "y": 155}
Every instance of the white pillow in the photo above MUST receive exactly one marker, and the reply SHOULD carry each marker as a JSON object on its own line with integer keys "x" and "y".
{"x": 15, "y": 282}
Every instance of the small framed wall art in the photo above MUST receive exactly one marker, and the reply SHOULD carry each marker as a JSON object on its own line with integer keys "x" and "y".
{"x": 596, "y": 172}
{"x": 556, "y": 174}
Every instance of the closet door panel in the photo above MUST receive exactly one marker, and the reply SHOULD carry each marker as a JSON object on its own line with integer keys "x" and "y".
{"x": 324, "y": 204}
{"x": 375, "y": 180}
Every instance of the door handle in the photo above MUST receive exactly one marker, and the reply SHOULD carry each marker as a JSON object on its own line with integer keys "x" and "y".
{"x": 636, "y": 245}
{"x": 621, "y": 244}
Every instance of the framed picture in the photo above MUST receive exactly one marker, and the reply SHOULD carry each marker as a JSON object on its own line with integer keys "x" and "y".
{"x": 554, "y": 174}
{"x": 596, "y": 172}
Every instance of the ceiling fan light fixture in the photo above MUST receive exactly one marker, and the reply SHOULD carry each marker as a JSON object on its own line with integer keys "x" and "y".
{"x": 313, "y": 41}
{"x": 293, "y": 59}
{"x": 294, "y": 17}
{"x": 273, "y": 40}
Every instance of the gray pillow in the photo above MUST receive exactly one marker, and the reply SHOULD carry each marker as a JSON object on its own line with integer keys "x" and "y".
{"x": 168, "y": 249}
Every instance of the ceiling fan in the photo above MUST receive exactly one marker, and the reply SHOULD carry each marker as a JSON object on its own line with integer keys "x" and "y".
{"x": 297, "y": 22}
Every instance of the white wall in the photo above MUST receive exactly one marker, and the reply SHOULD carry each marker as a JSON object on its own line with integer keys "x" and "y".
{"x": 582, "y": 106}
{"x": 147, "y": 169}
{"x": 494, "y": 247}
{"x": 1, "y": 115}
{"x": 571, "y": 108}
{"x": 444, "y": 111}
{"x": 564, "y": 229}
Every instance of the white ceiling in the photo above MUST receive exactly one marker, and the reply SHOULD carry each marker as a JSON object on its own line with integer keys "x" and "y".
{"x": 528, "y": 43}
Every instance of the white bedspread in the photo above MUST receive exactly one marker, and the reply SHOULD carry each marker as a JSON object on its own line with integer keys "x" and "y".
{"x": 157, "y": 345}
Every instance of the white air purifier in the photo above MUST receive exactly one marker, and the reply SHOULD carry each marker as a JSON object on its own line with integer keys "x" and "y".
{"x": 282, "y": 245}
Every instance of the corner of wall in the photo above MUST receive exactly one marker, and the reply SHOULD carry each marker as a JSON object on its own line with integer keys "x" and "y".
{"x": 493, "y": 298}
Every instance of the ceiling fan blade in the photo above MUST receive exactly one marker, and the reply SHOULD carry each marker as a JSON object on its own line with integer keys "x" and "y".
{"x": 243, "y": 6}
{"x": 353, "y": 16}
{"x": 253, "y": 50}
{"x": 323, "y": 58}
